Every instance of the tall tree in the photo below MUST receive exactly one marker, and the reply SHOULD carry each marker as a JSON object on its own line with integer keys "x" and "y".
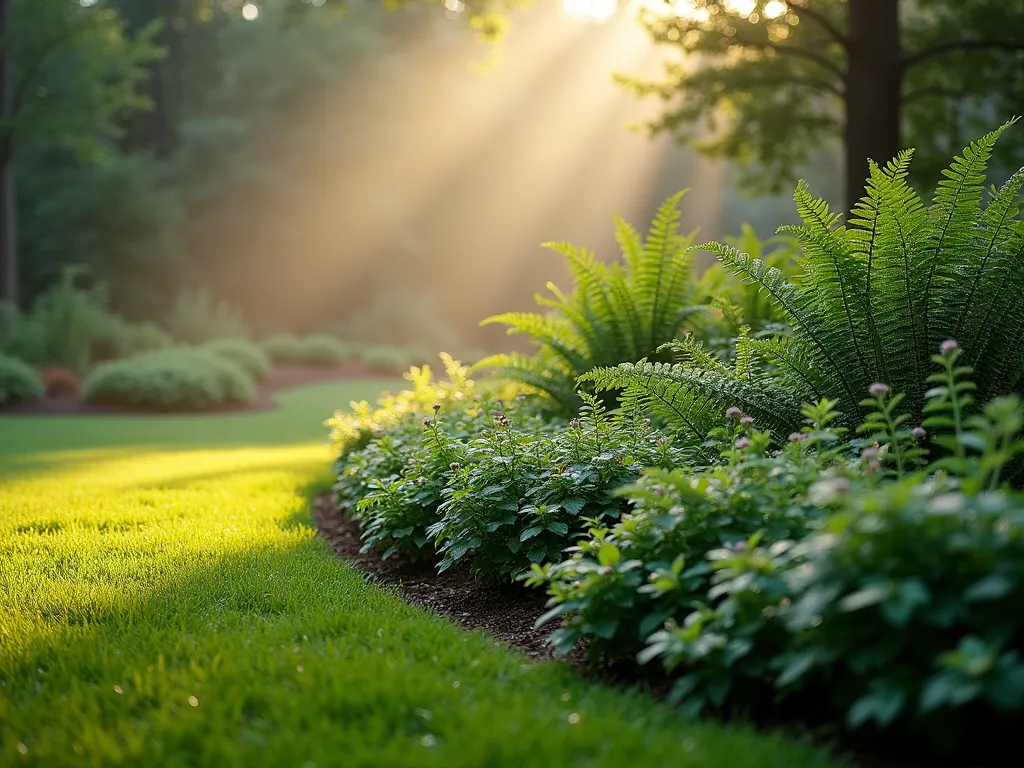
{"x": 776, "y": 79}
{"x": 8, "y": 201}
{"x": 68, "y": 75}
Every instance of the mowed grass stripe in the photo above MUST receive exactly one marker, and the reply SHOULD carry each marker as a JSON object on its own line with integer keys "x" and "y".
{"x": 166, "y": 603}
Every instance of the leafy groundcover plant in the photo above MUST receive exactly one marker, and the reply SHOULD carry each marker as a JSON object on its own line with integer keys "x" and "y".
{"x": 839, "y": 576}
{"x": 497, "y": 489}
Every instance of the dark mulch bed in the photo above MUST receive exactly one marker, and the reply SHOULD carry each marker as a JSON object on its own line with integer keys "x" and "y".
{"x": 505, "y": 611}
{"x": 281, "y": 377}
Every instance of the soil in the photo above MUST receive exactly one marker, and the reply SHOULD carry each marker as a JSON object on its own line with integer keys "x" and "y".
{"x": 507, "y": 612}
{"x": 281, "y": 377}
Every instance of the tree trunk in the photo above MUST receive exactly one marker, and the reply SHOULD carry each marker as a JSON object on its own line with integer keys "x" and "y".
{"x": 873, "y": 83}
{"x": 8, "y": 200}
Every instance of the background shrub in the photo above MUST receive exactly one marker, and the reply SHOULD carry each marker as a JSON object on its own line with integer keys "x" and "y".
{"x": 176, "y": 379}
{"x": 197, "y": 317}
{"x": 64, "y": 326}
{"x": 316, "y": 349}
{"x": 143, "y": 337}
{"x": 19, "y": 382}
{"x": 247, "y": 354}
{"x": 59, "y": 382}
{"x": 282, "y": 348}
{"x": 387, "y": 360}
{"x": 323, "y": 349}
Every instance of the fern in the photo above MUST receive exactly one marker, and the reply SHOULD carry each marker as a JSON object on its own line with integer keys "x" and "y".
{"x": 872, "y": 302}
{"x": 618, "y": 312}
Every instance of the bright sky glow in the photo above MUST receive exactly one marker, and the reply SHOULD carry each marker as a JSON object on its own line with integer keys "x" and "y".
{"x": 592, "y": 11}
{"x": 679, "y": 9}
{"x": 250, "y": 12}
{"x": 742, "y": 7}
{"x": 774, "y": 9}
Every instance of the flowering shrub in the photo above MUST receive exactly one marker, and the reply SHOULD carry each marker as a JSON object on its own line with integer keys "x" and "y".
{"x": 60, "y": 381}
{"x": 353, "y": 429}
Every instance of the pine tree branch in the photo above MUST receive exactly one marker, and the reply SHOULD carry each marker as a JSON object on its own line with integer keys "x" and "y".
{"x": 821, "y": 20}
{"x": 924, "y": 54}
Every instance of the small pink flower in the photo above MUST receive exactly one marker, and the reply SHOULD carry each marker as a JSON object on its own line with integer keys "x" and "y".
{"x": 437, "y": 407}
{"x": 878, "y": 389}
{"x": 574, "y": 423}
{"x": 948, "y": 347}
{"x": 869, "y": 454}
{"x": 454, "y": 466}
{"x": 741, "y": 546}
{"x": 427, "y": 421}
{"x": 796, "y": 437}
{"x": 743, "y": 442}
{"x": 919, "y": 433}
{"x": 746, "y": 421}
{"x": 734, "y": 413}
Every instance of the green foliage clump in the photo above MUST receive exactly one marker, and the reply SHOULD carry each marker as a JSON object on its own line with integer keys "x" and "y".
{"x": 738, "y": 306}
{"x": 67, "y": 326}
{"x": 495, "y": 485}
{"x": 395, "y": 484}
{"x": 137, "y": 338}
{"x": 386, "y": 359}
{"x": 618, "y": 312}
{"x": 72, "y": 327}
{"x": 874, "y": 299}
{"x": 198, "y": 317}
{"x": 315, "y": 349}
{"x": 351, "y": 429}
{"x": 19, "y": 382}
{"x": 840, "y": 575}
{"x": 521, "y": 493}
{"x": 323, "y": 349}
{"x": 248, "y": 355}
{"x": 176, "y": 379}
{"x": 621, "y": 583}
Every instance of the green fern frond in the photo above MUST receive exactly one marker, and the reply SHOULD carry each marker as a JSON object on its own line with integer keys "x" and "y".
{"x": 694, "y": 401}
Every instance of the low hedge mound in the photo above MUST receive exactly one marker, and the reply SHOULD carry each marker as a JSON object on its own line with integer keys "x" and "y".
{"x": 316, "y": 349}
{"x": 176, "y": 379}
{"x": 19, "y": 382}
{"x": 248, "y": 355}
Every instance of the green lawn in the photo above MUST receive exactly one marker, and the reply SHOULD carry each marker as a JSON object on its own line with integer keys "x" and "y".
{"x": 164, "y": 601}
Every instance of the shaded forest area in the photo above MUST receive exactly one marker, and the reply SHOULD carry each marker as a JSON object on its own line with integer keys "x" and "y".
{"x": 351, "y": 172}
